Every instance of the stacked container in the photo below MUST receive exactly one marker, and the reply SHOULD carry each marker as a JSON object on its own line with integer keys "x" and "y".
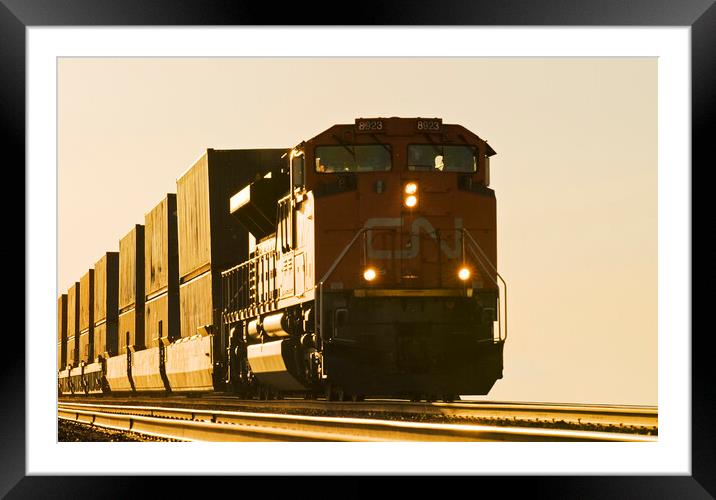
{"x": 87, "y": 317}
{"x": 73, "y": 325}
{"x": 62, "y": 332}
{"x": 106, "y": 292}
{"x": 209, "y": 242}
{"x": 161, "y": 273}
{"x": 209, "y": 239}
{"x": 131, "y": 290}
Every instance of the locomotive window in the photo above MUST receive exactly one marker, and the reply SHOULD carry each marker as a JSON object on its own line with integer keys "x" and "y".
{"x": 349, "y": 158}
{"x": 297, "y": 166}
{"x": 442, "y": 158}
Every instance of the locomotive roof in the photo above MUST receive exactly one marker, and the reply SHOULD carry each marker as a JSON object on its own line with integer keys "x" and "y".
{"x": 397, "y": 126}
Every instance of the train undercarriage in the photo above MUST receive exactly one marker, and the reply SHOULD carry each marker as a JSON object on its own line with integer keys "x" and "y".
{"x": 404, "y": 347}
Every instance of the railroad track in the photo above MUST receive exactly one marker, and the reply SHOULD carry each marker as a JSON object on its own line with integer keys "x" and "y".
{"x": 641, "y": 419}
{"x": 197, "y": 424}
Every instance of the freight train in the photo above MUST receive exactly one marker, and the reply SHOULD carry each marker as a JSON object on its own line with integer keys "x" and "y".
{"x": 361, "y": 262}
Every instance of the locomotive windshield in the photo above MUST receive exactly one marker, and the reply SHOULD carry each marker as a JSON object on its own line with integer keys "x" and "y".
{"x": 349, "y": 158}
{"x": 442, "y": 158}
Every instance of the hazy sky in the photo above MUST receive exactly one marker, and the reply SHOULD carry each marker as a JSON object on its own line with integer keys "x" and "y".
{"x": 575, "y": 177}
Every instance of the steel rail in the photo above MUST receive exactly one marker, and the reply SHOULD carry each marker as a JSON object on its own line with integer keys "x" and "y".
{"x": 191, "y": 424}
{"x": 618, "y": 416}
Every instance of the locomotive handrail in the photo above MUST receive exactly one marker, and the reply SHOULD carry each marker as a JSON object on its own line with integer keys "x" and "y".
{"x": 328, "y": 274}
{"x": 504, "y": 283}
{"x": 264, "y": 292}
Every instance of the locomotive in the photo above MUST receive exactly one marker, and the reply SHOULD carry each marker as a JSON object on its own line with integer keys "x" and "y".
{"x": 361, "y": 262}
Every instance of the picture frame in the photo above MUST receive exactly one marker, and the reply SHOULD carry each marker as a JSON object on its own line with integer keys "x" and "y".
{"x": 16, "y": 16}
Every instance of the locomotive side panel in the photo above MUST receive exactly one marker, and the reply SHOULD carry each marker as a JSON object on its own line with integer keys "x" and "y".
{"x": 334, "y": 227}
{"x": 295, "y": 267}
{"x": 305, "y": 246}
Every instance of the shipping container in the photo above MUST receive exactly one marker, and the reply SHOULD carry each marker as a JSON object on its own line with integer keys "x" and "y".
{"x": 106, "y": 287}
{"x": 209, "y": 238}
{"x": 131, "y": 290}
{"x": 62, "y": 332}
{"x": 62, "y": 318}
{"x": 101, "y": 345}
{"x": 160, "y": 246}
{"x": 87, "y": 317}
{"x": 61, "y": 355}
{"x": 197, "y": 303}
{"x": 131, "y": 330}
{"x": 161, "y": 276}
{"x": 73, "y": 324}
{"x": 86, "y": 347}
{"x": 161, "y": 318}
{"x": 131, "y": 269}
{"x": 87, "y": 300}
{"x": 73, "y": 353}
{"x": 106, "y": 293}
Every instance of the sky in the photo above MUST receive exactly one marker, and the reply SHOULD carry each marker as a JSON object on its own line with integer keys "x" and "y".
{"x": 575, "y": 178}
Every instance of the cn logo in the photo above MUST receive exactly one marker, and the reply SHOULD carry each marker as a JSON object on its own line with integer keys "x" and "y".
{"x": 412, "y": 250}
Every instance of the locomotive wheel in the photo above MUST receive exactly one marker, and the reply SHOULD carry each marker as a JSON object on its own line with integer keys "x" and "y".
{"x": 341, "y": 394}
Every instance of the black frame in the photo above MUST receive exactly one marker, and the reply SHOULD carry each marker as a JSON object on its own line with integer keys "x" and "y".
{"x": 700, "y": 15}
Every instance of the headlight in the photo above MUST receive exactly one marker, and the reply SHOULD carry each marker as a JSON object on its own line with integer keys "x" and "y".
{"x": 411, "y": 201}
{"x": 464, "y": 273}
{"x": 369, "y": 274}
{"x": 411, "y": 188}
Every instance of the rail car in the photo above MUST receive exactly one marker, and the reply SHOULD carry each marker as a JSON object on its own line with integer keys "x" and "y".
{"x": 359, "y": 263}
